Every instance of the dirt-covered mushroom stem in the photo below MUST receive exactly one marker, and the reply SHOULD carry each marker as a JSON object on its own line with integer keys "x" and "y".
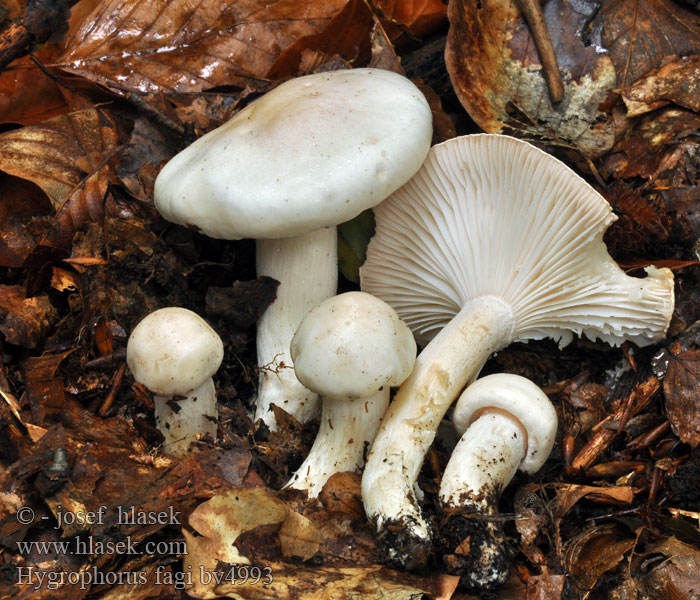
{"x": 506, "y": 423}
{"x": 492, "y": 241}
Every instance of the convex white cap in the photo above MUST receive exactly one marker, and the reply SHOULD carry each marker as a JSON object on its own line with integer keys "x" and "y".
{"x": 521, "y": 399}
{"x": 312, "y": 153}
{"x": 172, "y": 351}
{"x": 352, "y": 345}
{"x": 493, "y": 216}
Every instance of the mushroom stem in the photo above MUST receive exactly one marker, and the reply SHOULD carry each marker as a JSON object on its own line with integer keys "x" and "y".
{"x": 307, "y": 269}
{"x": 483, "y": 462}
{"x": 347, "y": 428}
{"x": 452, "y": 359}
{"x": 181, "y": 420}
{"x": 481, "y": 466}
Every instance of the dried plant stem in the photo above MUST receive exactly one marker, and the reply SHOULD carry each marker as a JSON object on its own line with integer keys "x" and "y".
{"x": 535, "y": 20}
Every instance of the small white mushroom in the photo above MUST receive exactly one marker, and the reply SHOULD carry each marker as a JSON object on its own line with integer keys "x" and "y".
{"x": 312, "y": 153}
{"x": 492, "y": 241}
{"x": 350, "y": 349}
{"x": 506, "y": 423}
{"x": 174, "y": 353}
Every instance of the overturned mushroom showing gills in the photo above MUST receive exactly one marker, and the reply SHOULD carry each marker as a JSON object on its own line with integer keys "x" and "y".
{"x": 174, "y": 353}
{"x": 506, "y": 423}
{"x": 491, "y": 241}
{"x": 350, "y": 349}
{"x": 312, "y": 153}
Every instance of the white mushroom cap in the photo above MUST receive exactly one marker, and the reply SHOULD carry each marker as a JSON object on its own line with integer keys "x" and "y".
{"x": 520, "y": 398}
{"x": 312, "y": 153}
{"x": 172, "y": 351}
{"x": 490, "y": 215}
{"x": 351, "y": 345}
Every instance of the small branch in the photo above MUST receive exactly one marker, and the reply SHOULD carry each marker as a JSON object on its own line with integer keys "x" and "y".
{"x": 535, "y": 20}
{"x": 38, "y": 22}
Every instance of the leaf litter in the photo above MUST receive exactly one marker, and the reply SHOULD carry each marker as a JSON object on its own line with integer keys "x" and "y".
{"x": 89, "y": 120}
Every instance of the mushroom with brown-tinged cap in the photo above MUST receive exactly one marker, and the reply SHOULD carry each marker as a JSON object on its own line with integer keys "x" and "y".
{"x": 312, "y": 153}
{"x": 174, "y": 353}
{"x": 506, "y": 423}
{"x": 350, "y": 349}
{"x": 492, "y": 241}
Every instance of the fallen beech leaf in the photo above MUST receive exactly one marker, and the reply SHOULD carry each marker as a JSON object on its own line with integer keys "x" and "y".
{"x": 594, "y": 552}
{"x": 569, "y": 494}
{"x": 223, "y": 518}
{"x": 26, "y": 94}
{"x": 299, "y": 537}
{"x": 420, "y": 17}
{"x": 22, "y": 202}
{"x": 640, "y": 35}
{"x": 677, "y": 576}
{"x": 497, "y": 76}
{"x": 178, "y": 47}
{"x": 347, "y": 34}
{"x": 66, "y": 157}
{"x": 681, "y": 388}
{"x": 677, "y": 82}
{"x": 342, "y": 493}
{"x": 25, "y": 321}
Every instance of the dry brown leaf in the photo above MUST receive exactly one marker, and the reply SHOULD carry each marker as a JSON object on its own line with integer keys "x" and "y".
{"x": 24, "y": 321}
{"x": 221, "y": 520}
{"x": 497, "y": 76}
{"x": 677, "y": 82}
{"x": 594, "y": 552}
{"x": 299, "y": 537}
{"x": 641, "y": 35}
{"x": 676, "y": 577}
{"x": 420, "y": 17}
{"x": 22, "y": 202}
{"x": 27, "y": 95}
{"x": 144, "y": 47}
{"x": 681, "y": 388}
{"x": 254, "y": 519}
{"x": 346, "y": 35}
{"x": 569, "y": 494}
{"x": 68, "y": 158}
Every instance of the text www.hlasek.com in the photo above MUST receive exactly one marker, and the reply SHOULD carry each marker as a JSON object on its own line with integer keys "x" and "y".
{"x": 89, "y": 546}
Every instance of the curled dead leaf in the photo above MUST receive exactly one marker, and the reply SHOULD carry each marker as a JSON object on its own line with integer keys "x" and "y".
{"x": 142, "y": 47}
{"x": 681, "y": 388}
{"x": 497, "y": 76}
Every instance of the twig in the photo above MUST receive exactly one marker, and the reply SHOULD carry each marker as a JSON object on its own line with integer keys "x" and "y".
{"x": 116, "y": 384}
{"x": 39, "y": 20}
{"x": 535, "y": 20}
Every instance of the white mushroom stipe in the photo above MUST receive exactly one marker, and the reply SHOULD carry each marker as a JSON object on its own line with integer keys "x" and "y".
{"x": 307, "y": 269}
{"x": 350, "y": 349}
{"x": 492, "y": 241}
{"x": 312, "y": 153}
{"x": 506, "y": 423}
{"x": 174, "y": 353}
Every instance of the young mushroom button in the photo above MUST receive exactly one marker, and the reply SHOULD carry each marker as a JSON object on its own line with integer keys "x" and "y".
{"x": 312, "y": 153}
{"x": 506, "y": 423}
{"x": 350, "y": 349}
{"x": 492, "y": 241}
{"x": 174, "y": 352}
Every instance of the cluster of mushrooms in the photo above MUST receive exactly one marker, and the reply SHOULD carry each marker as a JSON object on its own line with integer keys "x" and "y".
{"x": 480, "y": 241}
